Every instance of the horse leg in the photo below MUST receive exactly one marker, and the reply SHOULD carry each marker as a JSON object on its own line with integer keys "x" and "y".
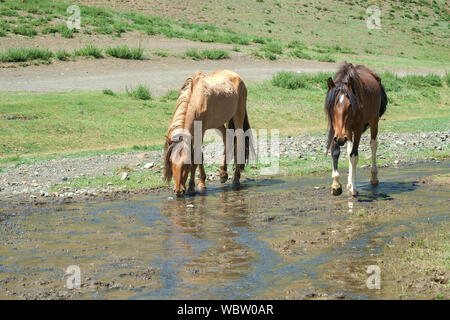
{"x": 238, "y": 120}
{"x": 202, "y": 177}
{"x": 223, "y": 167}
{"x": 353, "y": 156}
{"x": 336, "y": 188}
{"x": 374, "y": 146}
{"x": 191, "y": 189}
{"x": 350, "y": 171}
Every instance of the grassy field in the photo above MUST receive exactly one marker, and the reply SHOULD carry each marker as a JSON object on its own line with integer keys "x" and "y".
{"x": 414, "y": 34}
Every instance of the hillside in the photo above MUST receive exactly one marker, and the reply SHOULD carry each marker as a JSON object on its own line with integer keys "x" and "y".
{"x": 413, "y": 34}
{"x": 413, "y": 29}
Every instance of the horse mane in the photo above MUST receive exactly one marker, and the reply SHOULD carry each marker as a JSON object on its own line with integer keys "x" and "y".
{"x": 348, "y": 82}
{"x": 178, "y": 119}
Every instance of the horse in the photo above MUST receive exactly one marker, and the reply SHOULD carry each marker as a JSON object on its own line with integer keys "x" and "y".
{"x": 215, "y": 99}
{"x": 355, "y": 100}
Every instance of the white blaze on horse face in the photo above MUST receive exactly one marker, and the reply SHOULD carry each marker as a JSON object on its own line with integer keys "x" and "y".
{"x": 341, "y": 99}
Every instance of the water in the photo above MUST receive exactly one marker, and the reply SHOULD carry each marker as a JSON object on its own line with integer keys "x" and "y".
{"x": 279, "y": 238}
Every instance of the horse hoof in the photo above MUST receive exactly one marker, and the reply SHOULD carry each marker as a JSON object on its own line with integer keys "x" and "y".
{"x": 354, "y": 193}
{"x": 236, "y": 183}
{"x": 374, "y": 182}
{"x": 202, "y": 190}
{"x": 191, "y": 192}
{"x": 349, "y": 186}
{"x": 224, "y": 178}
{"x": 336, "y": 192}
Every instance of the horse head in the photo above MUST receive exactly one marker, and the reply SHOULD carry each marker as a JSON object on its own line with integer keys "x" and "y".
{"x": 341, "y": 106}
{"x": 177, "y": 159}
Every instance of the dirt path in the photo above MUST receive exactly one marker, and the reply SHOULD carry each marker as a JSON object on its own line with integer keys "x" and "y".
{"x": 160, "y": 74}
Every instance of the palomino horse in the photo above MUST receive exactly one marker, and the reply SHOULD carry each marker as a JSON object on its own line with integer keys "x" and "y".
{"x": 355, "y": 101}
{"x": 214, "y": 99}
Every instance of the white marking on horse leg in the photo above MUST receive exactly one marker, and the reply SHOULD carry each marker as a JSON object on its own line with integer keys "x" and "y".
{"x": 335, "y": 175}
{"x": 354, "y": 163}
{"x": 349, "y": 150}
{"x": 374, "y": 171}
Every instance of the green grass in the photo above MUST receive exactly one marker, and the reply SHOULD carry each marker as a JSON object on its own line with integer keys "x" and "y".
{"x": 299, "y": 53}
{"x": 292, "y": 103}
{"x": 140, "y": 92}
{"x": 214, "y": 54}
{"x": 89, "y": 51}
{"x": 108, "y": 92}
{"x": 24, "y": 54}
{"x": 60, "y": 28}
{"x": 294, "y": 80}
{"x": 161, "y": 53}
{"x": 25, "y": 30}
{"x": 78, "y": 121}
{"x": 62, "y": 55}
{"x": 171, "y": 95}
{"x": 124, "y": 52}
{"x": 136, "y": 181}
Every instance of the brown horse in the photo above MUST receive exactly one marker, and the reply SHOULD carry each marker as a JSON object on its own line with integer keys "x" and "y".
{"x": 355, "y": 101}
{"x": 214, "y": 100}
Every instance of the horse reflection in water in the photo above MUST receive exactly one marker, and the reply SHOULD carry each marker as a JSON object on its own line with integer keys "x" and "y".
{"x": 204, "y": 238}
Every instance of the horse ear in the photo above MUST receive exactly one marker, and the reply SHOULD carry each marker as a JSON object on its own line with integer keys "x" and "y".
{"x": 331, "y": 84}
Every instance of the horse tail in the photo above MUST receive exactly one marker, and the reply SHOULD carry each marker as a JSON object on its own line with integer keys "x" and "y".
{"x": 384, "y": 101}
{"x": 247, "y": 140}
{"x": 242, "y": 104}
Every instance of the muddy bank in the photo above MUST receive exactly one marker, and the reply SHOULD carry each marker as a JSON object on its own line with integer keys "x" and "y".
{"x": 271, "y": 238}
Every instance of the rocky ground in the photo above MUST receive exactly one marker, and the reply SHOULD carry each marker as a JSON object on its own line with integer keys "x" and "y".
{"x": 32, "y": 182}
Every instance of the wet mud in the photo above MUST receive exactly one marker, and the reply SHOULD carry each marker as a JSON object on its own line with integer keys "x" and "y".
{"x": 283, "y": 238}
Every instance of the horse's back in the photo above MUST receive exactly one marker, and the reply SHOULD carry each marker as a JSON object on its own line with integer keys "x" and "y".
{"x": 216, "y": 97}
{"x": 373, "y": 93}
{"x": 368, "y": 77}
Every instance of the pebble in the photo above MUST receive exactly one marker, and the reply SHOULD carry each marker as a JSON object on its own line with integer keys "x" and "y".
{"x": 149, "y": 165}
{"x": 190, "y": 206}
{"x": 125, "y": 176}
